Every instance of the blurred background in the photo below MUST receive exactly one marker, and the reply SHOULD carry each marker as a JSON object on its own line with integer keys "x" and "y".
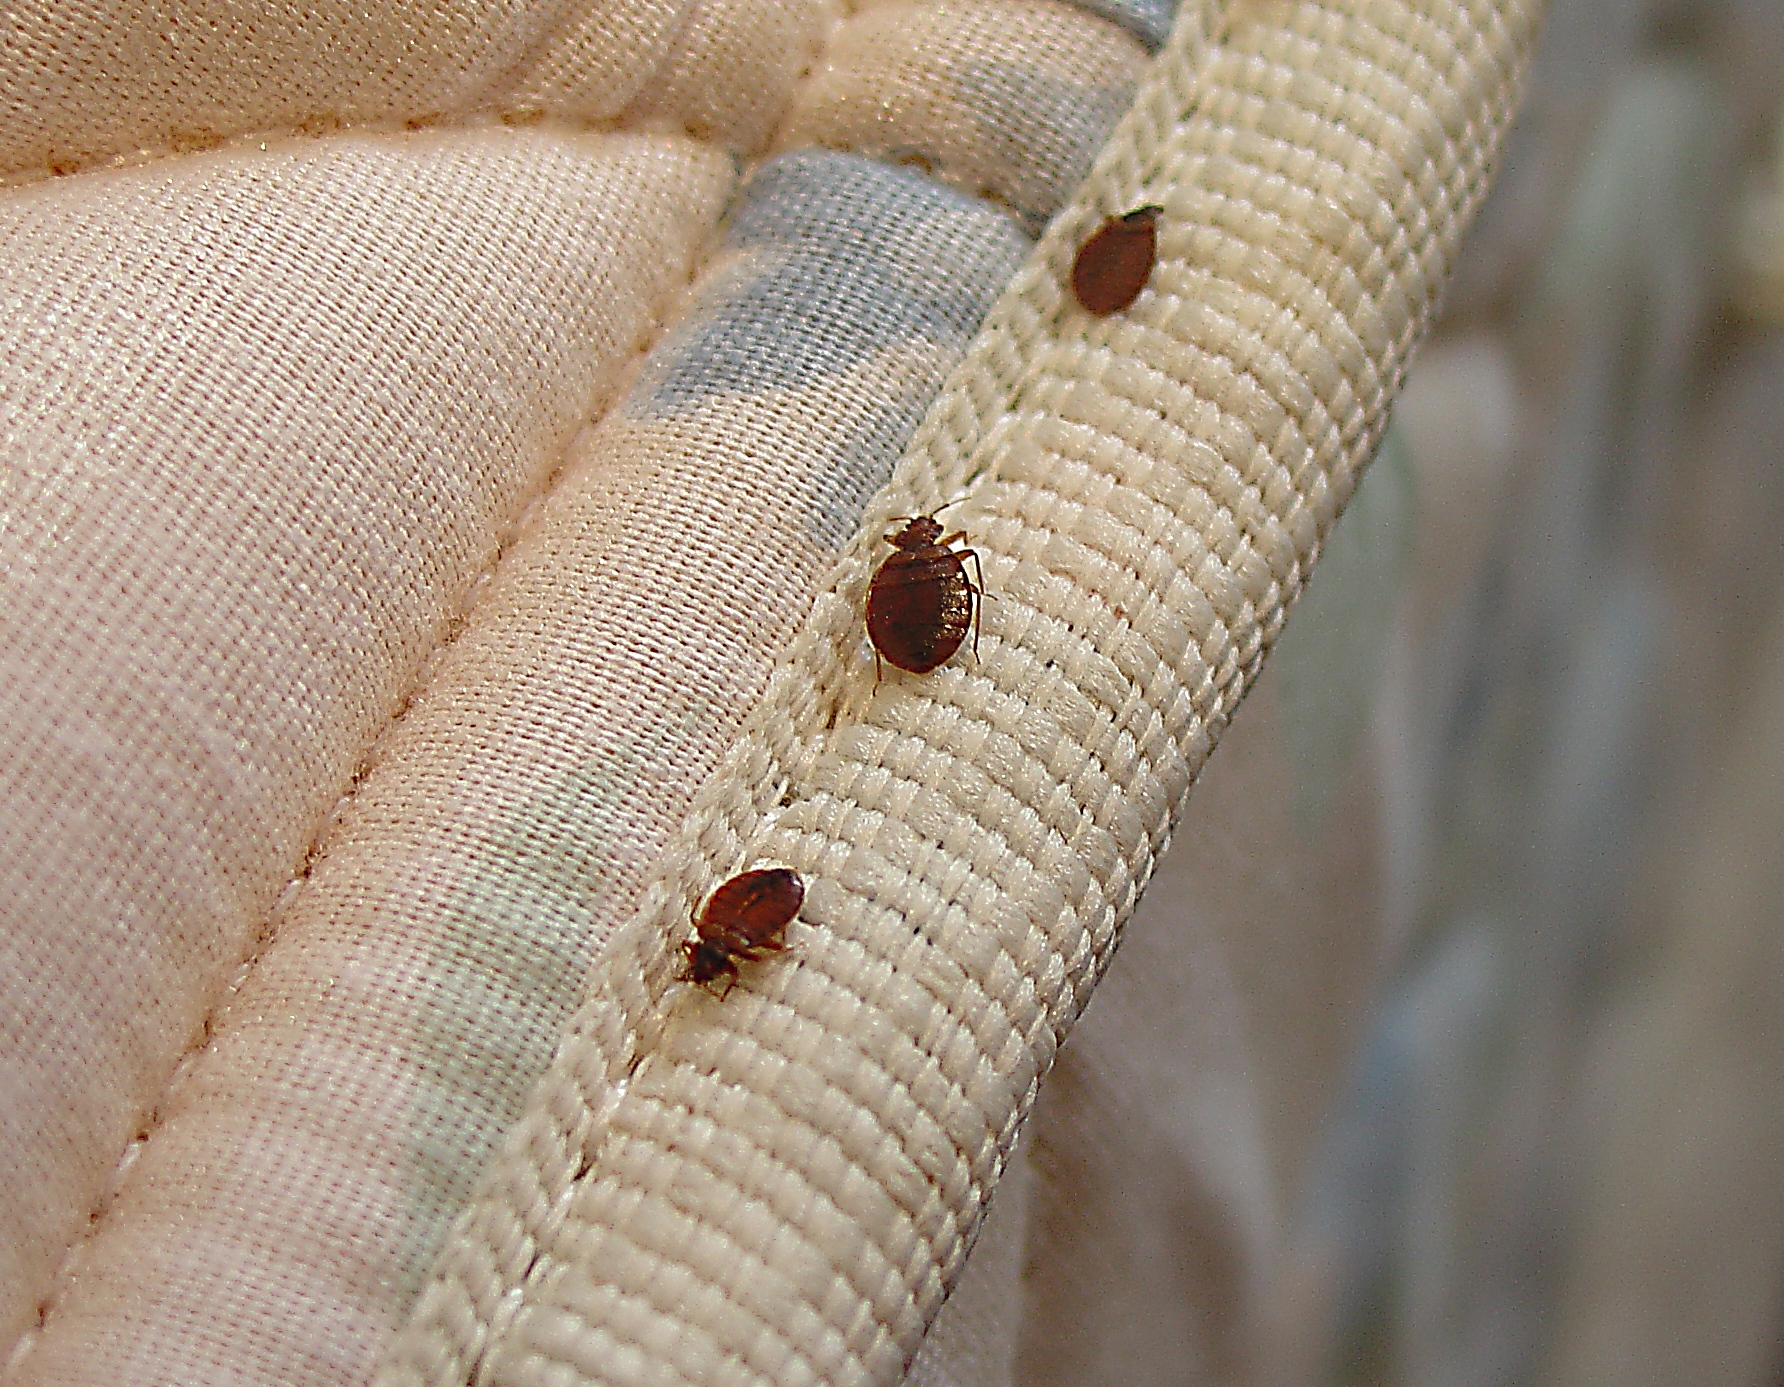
{"x": 1557, "y": 1156}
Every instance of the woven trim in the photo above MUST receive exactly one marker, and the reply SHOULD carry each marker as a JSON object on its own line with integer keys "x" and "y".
{"x": 780, "y": 1187}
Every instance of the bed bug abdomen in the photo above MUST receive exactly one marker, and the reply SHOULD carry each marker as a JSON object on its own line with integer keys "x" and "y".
{"x": 1115, "y": 263}
{"x": 921, "y": 600}
{"x": 745, "y": 919}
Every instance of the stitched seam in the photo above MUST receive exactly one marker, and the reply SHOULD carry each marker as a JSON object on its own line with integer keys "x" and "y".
{"x": 502, "y": 107}
{"x": 812, "y": 683}
{"x": 519, "y": 525}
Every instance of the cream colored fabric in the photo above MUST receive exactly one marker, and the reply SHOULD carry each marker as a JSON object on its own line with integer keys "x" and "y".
{"x": 953, "y": 86}
{"x": 360, "y": 694}
{"x": 183, "y": 529}
{"x": 781, "y": 1187}
{"x": 427, "y": 301}
{"x": 86, "y": 83}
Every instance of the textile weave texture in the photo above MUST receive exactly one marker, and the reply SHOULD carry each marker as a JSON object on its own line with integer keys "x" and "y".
{"x": 445, "y": 452}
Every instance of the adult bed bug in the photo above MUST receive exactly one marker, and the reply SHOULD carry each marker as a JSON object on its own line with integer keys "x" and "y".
{"x": 1115, "y": 263}
{"x": 921, "y": 601}
{"x": 744, "y": 919}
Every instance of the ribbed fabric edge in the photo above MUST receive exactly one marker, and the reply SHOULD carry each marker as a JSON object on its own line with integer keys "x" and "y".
{"x": 782, "y": 1186}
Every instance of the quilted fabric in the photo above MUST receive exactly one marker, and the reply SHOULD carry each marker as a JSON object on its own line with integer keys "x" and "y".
{"x": 445, "y": 449}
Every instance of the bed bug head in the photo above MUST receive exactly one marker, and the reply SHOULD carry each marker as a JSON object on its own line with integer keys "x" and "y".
{"x": 707, "y": 961}
{"x": 919, "y": 532}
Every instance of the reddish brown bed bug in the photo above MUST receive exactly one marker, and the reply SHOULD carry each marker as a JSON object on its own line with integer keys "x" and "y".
{"x": 745, "y": 919}
{"x": 1115, "y": 263}
{"x": 921, "y": 600}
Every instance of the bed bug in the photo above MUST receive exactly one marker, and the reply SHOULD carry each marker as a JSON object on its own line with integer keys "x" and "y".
{"x": 1115, "y": 263}
{"x": 921, "y": 600}
{"x": 745, "y": 919}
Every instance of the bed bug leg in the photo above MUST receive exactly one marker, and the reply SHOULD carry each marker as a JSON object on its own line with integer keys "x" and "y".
{"x": 976, "y": 588}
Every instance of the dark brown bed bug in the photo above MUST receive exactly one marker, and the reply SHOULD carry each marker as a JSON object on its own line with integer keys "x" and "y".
{"x": 921, "y": 600}
{"x": 745, "y": 919}
{"x": 1115, "y": 263}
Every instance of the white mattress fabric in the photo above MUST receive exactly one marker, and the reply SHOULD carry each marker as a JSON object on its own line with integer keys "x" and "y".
{"x": 442, "y": 452}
